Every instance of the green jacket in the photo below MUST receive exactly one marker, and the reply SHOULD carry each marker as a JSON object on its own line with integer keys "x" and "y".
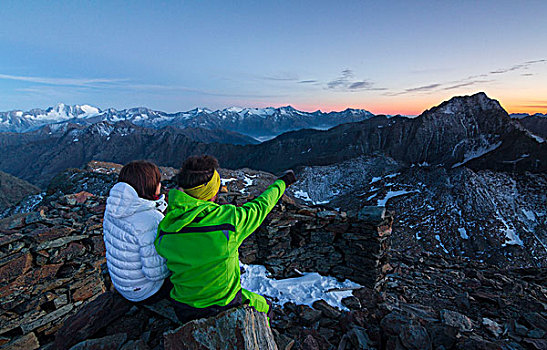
{"x": 200, "y": 241}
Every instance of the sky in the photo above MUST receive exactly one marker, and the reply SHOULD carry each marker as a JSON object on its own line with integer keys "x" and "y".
{"x": 388, "y": 57}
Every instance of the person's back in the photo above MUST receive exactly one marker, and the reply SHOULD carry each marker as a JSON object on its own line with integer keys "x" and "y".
{"x": 200, "y": 240}
{"x": 130, "y": 227}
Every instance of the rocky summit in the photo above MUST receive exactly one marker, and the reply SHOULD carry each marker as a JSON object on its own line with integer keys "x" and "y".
{"x": 56, "y": 293}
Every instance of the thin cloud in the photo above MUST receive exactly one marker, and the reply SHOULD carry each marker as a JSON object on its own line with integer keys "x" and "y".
{"x": 307, "y": 81}
{"x": 360, "y": 85}
{"x": 61, "y": 81}
{"x": 279, "y": 77}
{"x": 515, "y": 67}
{"x": 536, "y": 61}
{"x": 423, "y": 88}
{"x": 347, "y": 82}
{"x": 470, "y": 80}
{"x": 469, "y": 83}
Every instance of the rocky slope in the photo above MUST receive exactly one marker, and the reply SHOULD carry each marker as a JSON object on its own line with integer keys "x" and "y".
{"x": 484, "y": 215}
{"x": 54, "y": 279}
{"x": 13, "y": 190}
{"x": 536, "y": 124}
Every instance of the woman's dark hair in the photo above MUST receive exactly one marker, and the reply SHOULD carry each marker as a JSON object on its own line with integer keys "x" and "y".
{"x": 196, "y": 170}
{"x": 143, "y": 176}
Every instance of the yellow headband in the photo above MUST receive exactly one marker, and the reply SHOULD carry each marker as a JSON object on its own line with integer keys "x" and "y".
{"x": 207, "y": 190}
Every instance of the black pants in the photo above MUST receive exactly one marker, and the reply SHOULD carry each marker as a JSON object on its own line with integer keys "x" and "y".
{"x": 163, "y": 293}
{"x": 186, "y": 313}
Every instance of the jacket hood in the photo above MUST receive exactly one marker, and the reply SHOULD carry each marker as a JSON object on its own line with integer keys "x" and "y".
{"x": 124, "y": 201}
{"x": 182, "y": 210}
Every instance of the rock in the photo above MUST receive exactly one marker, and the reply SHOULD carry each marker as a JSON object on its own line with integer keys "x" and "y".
{"x": 310, "y": 343}
{"x": 163, "y": 308}
{"x": 535, "y": 320}
{"x": 98, "y": 245}
{"x": 283, "y": 342}
{"x": 26, "y": 342}
{"x": 327, "y": 214}
{"x": 111, "y": 342}
{"x": 442, "y": 336}
{"x": 372, "y": 214}
{"x": 415, "y": 337}
{"x": 90, "y": 319}
{"x": 492, "y": 326}
{"x": 308, "y": 315}
{"x": 91, "y": 286}
{"x": 77, "y": 198}
{"x": 13, "y": 222}
{"x": 326, "y": 309}
{"x": 538, "y": 344}
{"x": 52, "y": 316}
{"x": 239, "y": 328}
{"x": 394, "y": 323}
{"x": 59, "y": 242}
{"x": 455, "y": 319}
{"x": 135, "y": 345}
{"x": 15, "y": 265}
{"x": 536, "y": 334}
{"x": 351, "y": 303}
{"x": 356, "y": 338}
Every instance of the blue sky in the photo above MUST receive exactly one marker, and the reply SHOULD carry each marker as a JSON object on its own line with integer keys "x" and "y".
{"x": 384, "y": 56}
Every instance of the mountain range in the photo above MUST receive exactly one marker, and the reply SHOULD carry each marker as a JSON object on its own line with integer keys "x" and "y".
{"x": 473, "y": 131}
{"x": 260, "y": 123}
{"x": 464, "y": 177}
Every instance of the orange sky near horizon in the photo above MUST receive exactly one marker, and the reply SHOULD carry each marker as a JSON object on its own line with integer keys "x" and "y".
{"x": 418, "y": 105}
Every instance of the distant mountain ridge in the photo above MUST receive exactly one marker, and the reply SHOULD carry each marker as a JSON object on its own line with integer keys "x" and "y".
{"x": 262, "y": 123}
{"x": 536, "y": 123}
{"x": 472, "y": 131}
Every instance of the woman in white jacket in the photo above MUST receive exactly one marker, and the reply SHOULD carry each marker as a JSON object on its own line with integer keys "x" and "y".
{"x": 133, "y": 212}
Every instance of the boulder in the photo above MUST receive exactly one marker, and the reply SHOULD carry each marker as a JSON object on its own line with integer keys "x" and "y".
{"x": 91, "y": 318}
{"x": 239, "y": 328}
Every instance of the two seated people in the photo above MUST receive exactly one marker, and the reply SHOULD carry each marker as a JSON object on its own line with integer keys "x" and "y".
{"x": 190, "y": 255}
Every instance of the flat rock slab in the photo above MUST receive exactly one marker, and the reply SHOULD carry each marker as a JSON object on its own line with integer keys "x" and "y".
{"x": 90, "y": 319}
{"x": 240, "y": 328}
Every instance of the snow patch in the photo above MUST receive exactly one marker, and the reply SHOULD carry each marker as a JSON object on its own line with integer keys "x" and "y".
{"x": 477, "y": 153}
{"x": 463, "y": 233}
{"x": 529, "y": 214}
{"x": 393, "y": 194}
{"x": 438, "y": 238}
{"x": 303, "y": 195}
{"x": 223, "y": 182}
{"x": 303, "y": 290}
{"x": 511, "y": 237}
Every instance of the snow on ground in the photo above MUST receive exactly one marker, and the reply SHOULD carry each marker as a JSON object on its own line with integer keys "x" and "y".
{"x": 299, "y": 290}
{"x": 225, "y": 181}
{"x": 477, "y": 153}
{"x": 375, "y": 179}
{"x": 511, "y": 237}
{"x": 248, "y": 181}
{"x": 392, "y": 194}
{"x": 438, "y": 238}
{"x": 300, "y": 194}
{"x": 529, "y": 214}
{"x": 463, "y": 233}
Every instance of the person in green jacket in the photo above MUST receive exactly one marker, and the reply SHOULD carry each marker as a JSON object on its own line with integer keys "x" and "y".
{"x": 200, "y": 239}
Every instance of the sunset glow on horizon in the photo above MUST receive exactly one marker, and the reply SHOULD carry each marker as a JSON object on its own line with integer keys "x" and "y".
{"x": 389, "y": 57}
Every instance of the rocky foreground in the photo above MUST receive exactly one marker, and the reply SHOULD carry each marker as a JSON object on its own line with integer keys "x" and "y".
{"x": 56, "y": 293}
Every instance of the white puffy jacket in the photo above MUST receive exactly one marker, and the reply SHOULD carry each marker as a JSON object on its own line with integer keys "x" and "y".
{"x": 130, "y": 225}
